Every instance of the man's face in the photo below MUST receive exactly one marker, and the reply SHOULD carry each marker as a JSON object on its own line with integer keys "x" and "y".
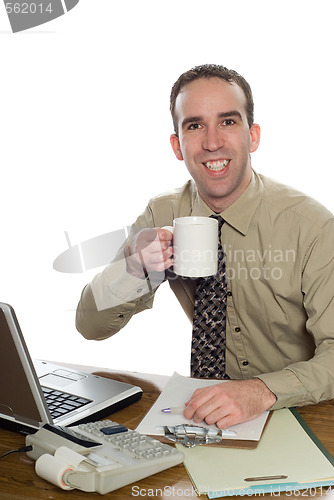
{"x": 214, "y": 139}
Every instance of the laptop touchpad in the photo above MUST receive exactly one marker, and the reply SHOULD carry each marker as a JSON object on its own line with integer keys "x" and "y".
{"x": 55, "y": 380}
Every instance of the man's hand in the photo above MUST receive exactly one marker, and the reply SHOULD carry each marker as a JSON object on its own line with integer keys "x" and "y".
{"x": 149, "y": 250}
{"x": 229, "y": 403}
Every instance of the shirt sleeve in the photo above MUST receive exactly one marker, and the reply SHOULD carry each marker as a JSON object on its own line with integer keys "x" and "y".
{"x": 110, "y": 300}
{"x": 312, "y": 381}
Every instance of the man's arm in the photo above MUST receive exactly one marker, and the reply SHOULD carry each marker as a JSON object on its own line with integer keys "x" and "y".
{"x": 126, "y": 286}
{"x": 301, "y": 383}
{"x": 99, "y": 324}
{"x": 311, "y": 381}
{"x": 112, "y": 298}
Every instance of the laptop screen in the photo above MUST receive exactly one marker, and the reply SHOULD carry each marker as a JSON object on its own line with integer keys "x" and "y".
{"x": 17, "y": 374}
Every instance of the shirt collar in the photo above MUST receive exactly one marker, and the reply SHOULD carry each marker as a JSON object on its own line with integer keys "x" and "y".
{"x": 240, "y": 213}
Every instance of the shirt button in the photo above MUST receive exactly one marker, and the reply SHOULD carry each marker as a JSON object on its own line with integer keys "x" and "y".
{"x": 121, "y": 316}
{"x": 229, "y": 294}
{"x": 237, "y": 329}
{"x": 139, "y": 290}
{"x": 245, "y": 363}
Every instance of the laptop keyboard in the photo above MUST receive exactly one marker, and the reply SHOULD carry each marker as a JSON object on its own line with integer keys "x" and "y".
{"x": 60, "y": 403}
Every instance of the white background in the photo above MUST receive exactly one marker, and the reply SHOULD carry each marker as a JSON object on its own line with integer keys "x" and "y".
{"x": 84, "y": 143}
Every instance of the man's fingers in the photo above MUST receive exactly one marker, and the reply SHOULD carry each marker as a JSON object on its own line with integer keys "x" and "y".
{"x": 196, "y": 393}
{"x": 150, "y": 250}
{"x": 155, "y": 253}
{"x": 154, "y": 240}
{"x": 156, "y": 256}
{"x": 226, "y": 422}
{"x": 200, "y": 404}
{"x": 164, "y": 234}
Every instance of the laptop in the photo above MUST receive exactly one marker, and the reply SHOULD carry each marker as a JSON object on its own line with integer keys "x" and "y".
{"x": 33, "y": 393}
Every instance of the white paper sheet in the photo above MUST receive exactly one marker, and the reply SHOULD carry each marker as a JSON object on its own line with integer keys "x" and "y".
{"x": 177, "y": 391}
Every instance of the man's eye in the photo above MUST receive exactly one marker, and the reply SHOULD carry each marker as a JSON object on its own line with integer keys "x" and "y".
{"x": 228, "y": 122}
{"x": 194, "y": 126}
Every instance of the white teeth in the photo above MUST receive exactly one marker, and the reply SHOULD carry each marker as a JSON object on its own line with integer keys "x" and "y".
{"x": 216, "y": 165}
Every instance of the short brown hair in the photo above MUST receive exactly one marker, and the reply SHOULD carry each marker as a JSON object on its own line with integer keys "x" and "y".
{"x": 211, "y": 71}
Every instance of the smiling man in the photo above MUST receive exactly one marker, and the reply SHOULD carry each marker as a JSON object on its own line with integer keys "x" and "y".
{"x": 214, "y": 139}
{"x": 275, "y": 345}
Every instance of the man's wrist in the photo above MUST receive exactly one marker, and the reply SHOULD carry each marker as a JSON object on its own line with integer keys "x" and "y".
{"x": 268, "y": 397}
{"x": 134, "y": 264}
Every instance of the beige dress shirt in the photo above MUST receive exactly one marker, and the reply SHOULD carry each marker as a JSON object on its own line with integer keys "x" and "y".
{"x": 279, "y": 247}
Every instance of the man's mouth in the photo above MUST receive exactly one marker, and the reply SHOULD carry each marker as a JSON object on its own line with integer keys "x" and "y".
{"x": 216, "y": 165}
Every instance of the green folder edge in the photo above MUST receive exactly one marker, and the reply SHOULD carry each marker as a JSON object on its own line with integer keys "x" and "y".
{"x": 280, "y": 487}
{"x": 314, "y": 438}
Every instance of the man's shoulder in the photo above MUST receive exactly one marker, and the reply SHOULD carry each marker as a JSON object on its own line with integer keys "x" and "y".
{"x": 165, "y": 207}
{"x": 285, "y": 198}
{"x": 177, "y": 202}
{"x": 186, "y": 190}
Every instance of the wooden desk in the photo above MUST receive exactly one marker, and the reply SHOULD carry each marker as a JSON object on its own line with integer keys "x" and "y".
{"x": 18, "y": 480}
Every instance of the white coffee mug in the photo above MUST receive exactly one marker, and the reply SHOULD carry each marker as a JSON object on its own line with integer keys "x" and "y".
{"x": 195, "y": 245}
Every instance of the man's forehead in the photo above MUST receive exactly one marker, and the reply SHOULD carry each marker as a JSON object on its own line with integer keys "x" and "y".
{"x": 203, "y": 92}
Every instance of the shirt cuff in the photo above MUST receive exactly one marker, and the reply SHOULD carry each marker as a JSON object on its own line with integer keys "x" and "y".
{"x": 115, "y": 286}
{"x": 287, "y": 388}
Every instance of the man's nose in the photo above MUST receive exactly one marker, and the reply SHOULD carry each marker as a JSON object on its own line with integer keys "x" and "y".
{"x": 213, "y": 139}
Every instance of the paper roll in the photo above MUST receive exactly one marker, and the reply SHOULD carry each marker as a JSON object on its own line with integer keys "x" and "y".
{"x": 68, "y": 456}
{"x": 52, "y": 469}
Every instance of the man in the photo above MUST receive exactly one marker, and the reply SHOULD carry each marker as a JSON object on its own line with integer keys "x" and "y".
{"x": 279, "y": 251}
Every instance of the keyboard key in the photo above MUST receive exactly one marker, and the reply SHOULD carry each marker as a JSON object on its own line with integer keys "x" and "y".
{"x": 115, "y": 429}
{"x": 46, "y": 390}
{"x": 83, "y": 401}
{"x": 60, "y": 403}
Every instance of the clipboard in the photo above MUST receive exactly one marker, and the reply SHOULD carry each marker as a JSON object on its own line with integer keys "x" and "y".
{"x": 178, "y": 390}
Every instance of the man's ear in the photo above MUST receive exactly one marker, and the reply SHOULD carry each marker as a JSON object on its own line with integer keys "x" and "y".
{"x": 175, "y": 143}
{"x": 255, "y": 133}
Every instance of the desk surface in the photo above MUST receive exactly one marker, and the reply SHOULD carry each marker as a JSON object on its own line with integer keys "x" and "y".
{"x": 18, "y": 480}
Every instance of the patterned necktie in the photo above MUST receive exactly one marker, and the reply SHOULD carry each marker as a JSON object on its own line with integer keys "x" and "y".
{"x": 209, "y": 322}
